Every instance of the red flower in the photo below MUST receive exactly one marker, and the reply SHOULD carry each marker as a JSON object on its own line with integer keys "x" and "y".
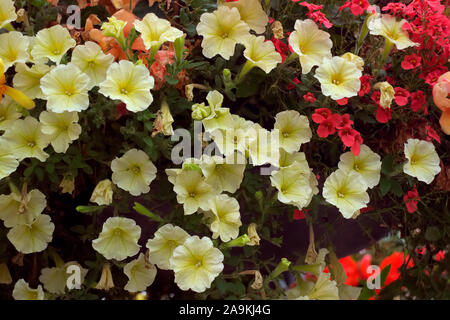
{"x": 440, "y": 255}
{"x": 395, "y": 8}
{"x": 356, "y": 147}
{"x": 363, "y": 264}
{"x": 418, "y": 100}
{"x": 411, "y": 61}
{"x": 281, "y": 47}
{"x": 309, "y": 97}
{"x": 357, "y": 7}
{"x": 347, "y": 136}
{"x": 320, "y": 18}
{"x": 411, "y": 199}
{"x": 421, "y": 250}
{"x": 290, "y": 86}
{"x": 365, "y": 85}
{"x": 376, "y": 96}
{"x": 311, "y": 6}
{"x": 342, "y": 102}
{"x": 321, "y": 114}
{"x": 391, "y": 80}
{"x": 121, "y": 110}
{"x": 344, "y": 121}
{"x": 299, "y": 214}
{"x": 383, "y": 115}
{"x": 396, "y": 260}
{"x": 431, "y": 134}
{"x": 432, "y": 77}
{"x": 401, "y": 96}
{"x": 326, "y": 127}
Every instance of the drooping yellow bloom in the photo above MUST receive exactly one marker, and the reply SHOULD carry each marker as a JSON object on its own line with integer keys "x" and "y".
{"x": 130, "y": 84}
{"x": 106, "y": 281}
{"x": 423, "y": 160}
{"x": 13, "y": 48}
{"x": 133, "y": 172}
{"x": 8, "y": 113}
{"x": 221, "y": 30}
{"x": 253, "y": 235}
{"x": 367, "y": 163}
{"x": 7, "y": 12}
{"x": 91, "y": 60}
{"x": 17, "y": 209}
{"x": 167, "y": 119}
{"x": 103, "y": 193}
{"x": 233, "y": 138}
{"x": 28, "y": 79}
{"x": 66, "y": 89}
{"x": 251, "y": 13}
{"x": 17, "y": 95}
{"x": 224, "y": 218}
{"x": 338, "y": 78}
{"x": 22, "y": 291}
{"x": 55, "y": 279}
{"x": 260, "y": 53}
{"x": 310, "y": 43}
{"x": 52, "y": 43}
{"x": 387, "y": 93}
{"x": 155, "y": 31}
{"x": 118, "y": 239}
{"x": 8, "y": 162}
{"x": 293, "y": 130}
{"x": 140, "y": 273}
{"x": 347, "y": 191}
{"x": 62, "y": 128}
{"x": 196, "y": 264}
{"x": 391, "y": 29}
{"x": 34, "y": 237}
{"x": 26, "y": 140}
{"x": 358, "y": 61}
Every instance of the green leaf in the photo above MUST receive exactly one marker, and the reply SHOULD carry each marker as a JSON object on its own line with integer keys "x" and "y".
{"x": 139, "y": 208}
{"x": 396, "y": 188}
{"x": 384, "y": 274}
{"x": 433, "y": 234}
{"x": 387, "y": 166}
{"x": 366, "y": 293}
{"x": 385, "y": 186}
{"x": 170, "y": 80}
{"x": 89, "y": 209}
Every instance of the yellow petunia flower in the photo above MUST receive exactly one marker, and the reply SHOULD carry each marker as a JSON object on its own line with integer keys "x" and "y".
{"x": 251, "y": 12}
{"x": 233, "y": 138}
{"x": 423, "y": 160}
{"x": 8, "y": 162}
{"x": 34, "y": 237}
{"x": 133, "y": 172}
{"x": 196, "y": 264}
{"x": 338, "y": 78}
{"x": 103, "y": 193}
{"x": 221, "y": 31}
{"x": 8, "y": 113}
{"x": 17, "y": 209}
{"x": 293, "y": 130}
{"x": 118, "y": 239}
{"x": 106, "y": 281}
{"x": 224, "y": 218}
{"x": 387, "y": 93}
{"x": 130, "y": 84}
{"x": 55, "y": 279}
{"x": 66, "y": 89}
{"x": 28, "y": 79}
{"x": 367, "y": 163}
{"x": 52, "y": 43}
{"x": 391, "y": 29}
{"x": 161, "y": 246}
{"x": 26, "y": 140}
{"x": 347, "y": 191}
{"x": 324, "y": 289}
{"x": 62, "y": 128}
{"x": 260, "y": 53}
{"x": 91, "y": 60}
{"x": 13, "y": 93}
{"x": 7, "y": 12}
{"x": 310, "y": 44}
{"x": 13, "y": 48}
{"x": 140, "y": 273}
{"x": 22, "y": 291}
{"x": 113, "y": 28}
{"x": 358, "y": 61}
{"x": 263, "y": 145}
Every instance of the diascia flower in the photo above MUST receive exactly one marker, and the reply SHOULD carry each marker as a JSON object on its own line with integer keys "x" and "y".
{"x": 196, "y": 264}
{"x": 52, "y": 43}
{"x": 13, "y": 48}
{"x": 91, "y": 60}
{"x": 260, "y": 53}
{"x": 310, "y": 43}
{"x": 140, "y": 273}
{"x": 130, "y": 84}
{"x": 118, "y": 239}
{"x": 66, "y": 89}
{"x": 251, "y": 13}
{"x": 61, "y": 128}
{"x": 367, "y": 163}
{"x": 133, "y": 172}
{"x": 8, "y": 113}
{"x": 7, "y": 12}
{"x": 347, "y": 191}
{"x": 423, "y": 160}
{"x": 293, "y": 130}
{"x": 391, "y": 29}
{"x": 165, "y": 240}
{"x": 26, "y": 140}
{"x": 19, "y": 209}
{"x": 221, "y": 30}
{"x": 22, "y": 291}
{"x": 338, "y": 78}
{"x": 34, "y": 237}
{"x": 28, "y": 79}
{"x": 55, "y": 279}
{"x": 8, "y": 162}
{"x": 224, "y": 217}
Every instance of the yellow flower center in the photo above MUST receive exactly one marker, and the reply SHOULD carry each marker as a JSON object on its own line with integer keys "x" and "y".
{"x": 31, "y": 144}
{"x": 136, "y": 169}
{"x": 356, "y": 167}
{"x": 69, "y": 93}
{"x": 340, "y": 195}
{"x": 56, "y": 52}
{"x": 192, "y": 194}
{"x": 198, "y": 264}
{"x": 91, "y": 63}
{"x": 118, "y": 232}
{"x": 123, "y": 91}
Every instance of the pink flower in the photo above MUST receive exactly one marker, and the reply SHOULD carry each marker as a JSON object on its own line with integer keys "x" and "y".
{"x": 432, "y": 134}
{"x": 309, "y": 97}
{"x": 411, "y": 198}
{"x": 348, "y": 136}
{"x": 357, "y": 7}
{"x": 411, "y": 61}
{"x": 401, "y": 96}
{"x": 418, "y": 100}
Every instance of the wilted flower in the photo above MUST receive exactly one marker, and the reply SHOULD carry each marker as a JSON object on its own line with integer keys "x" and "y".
{"x": 103, "y": 193}
{"x": 387, "y": 93}
{"x": 106, "y": 280}
{"x": 253, "y": 235}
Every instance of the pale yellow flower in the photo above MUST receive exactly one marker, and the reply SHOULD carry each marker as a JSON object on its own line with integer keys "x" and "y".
{"x": 391, "y": 29}
{"x": 8, "y": 113}
{"x": 338, "y": 78}
{"x": 133, "y": 172}
{"x": 324, "y": 289}
{"x": 34, "y": 237}
{"x": 106, "y": 281}
{"x": 423, "y": 160}
{"x": 17, "y": 209}
{"x": 13, "y": 48}
{"x": 224, "y": 218}
{"x": 287, "y": 159}
{"x": 52, "y": 43}
{"x": 65, "y": 88}
{"x": 221, "y": 119}
{"x": 113, "y": 28}
{"x": 196, "y": 264}
{"x": 91, "y": 60}
{"x": 221, "y": 30}
{"x": 233, "y": 138}
{"x": 358, "y": 61}
{"x": 7, "y": 12}
{"x": 293, "y": 130}
{"x": 251, "y": 13}
{"x": 62, "y": 128}
{"x": 263, "y": 145}
{"x": 167, "y": 119}
{"x": 118, "y": 239}
{"x": 103, "y": 193}
{"x": 310, "y": 43}
{"x": 28, "y": 79}
{"x": 130, "y": 84}
{"x": 140, "y": 273}
{"x": 261, "y": 53}
{"x": 55, "y": 279}
{"x": 22, "y": 291}
{"x": 387, "y": 93}
{"x": 253, "y": 235}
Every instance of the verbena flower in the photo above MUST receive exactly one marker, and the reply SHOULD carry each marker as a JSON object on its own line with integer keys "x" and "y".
{"x": 251, "y": 12}
{"x": 391, "y": 29}
{"x": 140, "y": 273}
{"x": 65, "y": 88}
{"x": 338, "y": 78}
{"x": 17, "y": 209}
{"x": 103, "y": 193}
{"x": 224, "y": 218}
{"x": 196, "y": 264}
{"x": 8, "y": 113}
{"x": 161, "y": 246}
{"x": 118, "y": 239}
{"x": 7, "y": 12}
{"x": 221, "y": 31}
{"x": 133, "y": 172}
{"x": 28, "y": 79}
{"x": 293, "y": 130}
{"x": 22, "y": 291}
{"x": 13, "y": 48}
{"x": 260, "y": 53}
{"x": 52, "y": 43}
{"x": 222, "y": 173}
{"x": 61, "y": 128}
{"x": 423, "y": 160}
{"x": 130, "y": 84}
{"x": 310, "y": 43}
